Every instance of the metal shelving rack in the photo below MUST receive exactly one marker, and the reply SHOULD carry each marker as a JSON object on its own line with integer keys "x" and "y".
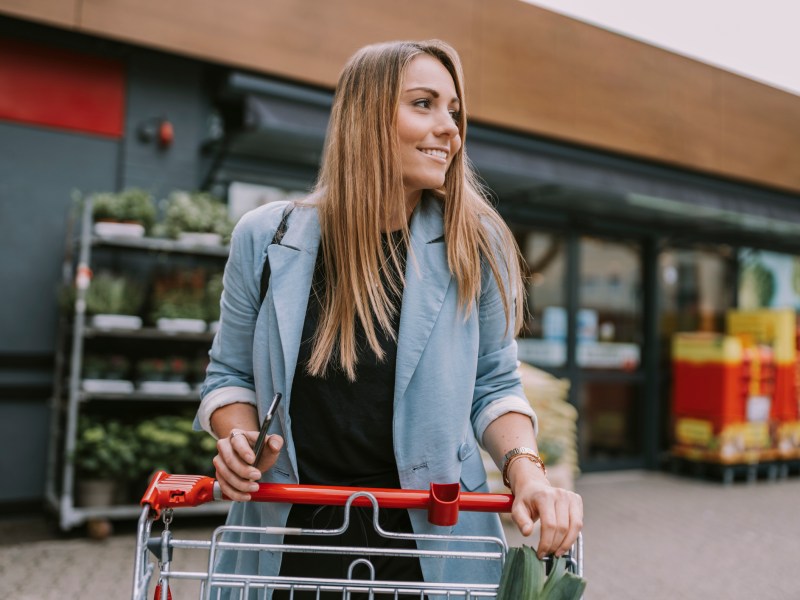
{"x": 66, "y": 403}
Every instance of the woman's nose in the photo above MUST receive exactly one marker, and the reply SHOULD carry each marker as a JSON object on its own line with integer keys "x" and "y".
{"x": 446, "y": 125}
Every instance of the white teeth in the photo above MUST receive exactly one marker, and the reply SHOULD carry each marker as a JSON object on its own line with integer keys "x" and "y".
{"x": 436, "y": 153}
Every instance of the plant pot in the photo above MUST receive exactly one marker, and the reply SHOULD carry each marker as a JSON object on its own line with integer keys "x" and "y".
{"x": 182, "y": 325}
{"x": 96, "y": 492}
{"x": 196, "y": 238}
{"x": 107, "y": 386}
{"x": 116, "y": 322}
{"x": 167, "y": 388}
{"x": 114, "y": 229}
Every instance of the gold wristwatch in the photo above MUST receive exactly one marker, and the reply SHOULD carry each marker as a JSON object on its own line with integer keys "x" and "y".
{"x": 517, "y": 453}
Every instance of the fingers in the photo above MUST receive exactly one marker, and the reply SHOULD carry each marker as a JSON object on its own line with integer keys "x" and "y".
{"x": 523, "y": 516}
{"x": 233, "y": 463}
{"x": 272, "y": 448}
{"x": 560, "y": 513}
{"x": 233, "y": 485}
{"x": 575, "y": 525}
{"x": 555, "y": 525}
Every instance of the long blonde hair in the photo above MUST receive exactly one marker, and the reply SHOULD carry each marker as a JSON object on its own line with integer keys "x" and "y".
{"x": 360, "y": 191}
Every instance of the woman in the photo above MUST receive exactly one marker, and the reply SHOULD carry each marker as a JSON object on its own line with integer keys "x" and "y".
{"x": 388, "y": 326}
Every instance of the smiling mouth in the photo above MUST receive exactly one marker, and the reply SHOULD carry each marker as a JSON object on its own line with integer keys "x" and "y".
{"x": 435, "y": 153}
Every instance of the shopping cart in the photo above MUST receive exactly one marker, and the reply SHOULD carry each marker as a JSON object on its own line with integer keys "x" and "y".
{"x": 443, "y": 503}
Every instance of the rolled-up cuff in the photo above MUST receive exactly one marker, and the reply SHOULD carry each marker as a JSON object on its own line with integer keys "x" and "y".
{"x": 502, "y": 406}
{"x": 219, "y": 398}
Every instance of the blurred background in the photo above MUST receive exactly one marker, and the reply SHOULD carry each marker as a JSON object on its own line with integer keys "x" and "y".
{"x": 655, "y": 197}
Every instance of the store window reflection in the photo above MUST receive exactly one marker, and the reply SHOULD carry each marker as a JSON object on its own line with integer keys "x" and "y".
{"x": 768, "y": 279}
{"x": 609, "y": 322}
{"x": 544, "y": 340}
{"x": 695, "y": 289}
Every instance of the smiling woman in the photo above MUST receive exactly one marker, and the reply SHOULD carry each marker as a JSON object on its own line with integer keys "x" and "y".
{"x": 388, "y": 327}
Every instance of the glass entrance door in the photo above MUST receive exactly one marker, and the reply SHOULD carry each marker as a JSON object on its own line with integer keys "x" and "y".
{"x": 609, "y": 336}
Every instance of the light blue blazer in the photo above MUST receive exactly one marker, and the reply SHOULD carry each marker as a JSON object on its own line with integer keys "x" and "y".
{"x": 454, "y": 375}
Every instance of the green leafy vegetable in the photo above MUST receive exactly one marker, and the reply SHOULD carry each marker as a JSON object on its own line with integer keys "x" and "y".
{"x": 524, "y": 578}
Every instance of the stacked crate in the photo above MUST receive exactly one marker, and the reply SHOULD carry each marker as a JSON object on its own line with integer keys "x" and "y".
{"x": 735, "y": 395}
{"x": 713, "y": 377}
{"x": 776, "y": 329}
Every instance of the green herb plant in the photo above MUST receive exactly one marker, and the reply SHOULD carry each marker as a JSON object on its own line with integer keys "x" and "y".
{"x": 109, "y": 293}
{"x": 133, "y": 205}
{"x": 196, "y": 212}
{"x": 104, "y": 449}
{"x": 179, "y": 295}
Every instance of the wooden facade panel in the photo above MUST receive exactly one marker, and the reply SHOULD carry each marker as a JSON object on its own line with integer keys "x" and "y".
{"x": 62, "y": 13}
{"x": 760, "y": 129}
{"x": 308, "y": 41}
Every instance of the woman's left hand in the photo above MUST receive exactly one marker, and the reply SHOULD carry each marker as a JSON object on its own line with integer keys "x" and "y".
{"x": 560, "y": 512}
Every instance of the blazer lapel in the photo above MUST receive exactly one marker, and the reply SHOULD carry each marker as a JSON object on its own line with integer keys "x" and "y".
{"x": 427, "y": 280}
{"x": 292, "y": 267}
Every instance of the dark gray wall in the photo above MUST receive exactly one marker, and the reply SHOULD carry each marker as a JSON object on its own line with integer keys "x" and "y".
{"x": 168, "y": 87}
{"x": 39, "y": 169}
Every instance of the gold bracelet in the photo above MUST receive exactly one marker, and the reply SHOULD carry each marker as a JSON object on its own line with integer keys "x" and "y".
{"x": 518, "y": 453}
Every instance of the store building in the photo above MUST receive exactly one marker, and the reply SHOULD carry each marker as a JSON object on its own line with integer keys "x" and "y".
{"x": 635, "y": 180}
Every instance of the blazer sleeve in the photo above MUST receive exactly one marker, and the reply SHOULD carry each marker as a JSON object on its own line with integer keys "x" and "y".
{"x": 498, "y": 388}
{"x": 229, "y": 376}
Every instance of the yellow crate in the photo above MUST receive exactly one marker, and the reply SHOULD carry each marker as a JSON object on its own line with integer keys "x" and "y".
{"x": 694, "y": 432}
{"x": 707, "y": 348}
{"x": 774, "y": 327}
{"x": 733, "y": 439}
{"x": 787, "y": 439}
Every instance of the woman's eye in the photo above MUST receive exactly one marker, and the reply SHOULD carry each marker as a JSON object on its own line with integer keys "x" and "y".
{"x": 423, "y": 103}
{"x": 456, "y": 114}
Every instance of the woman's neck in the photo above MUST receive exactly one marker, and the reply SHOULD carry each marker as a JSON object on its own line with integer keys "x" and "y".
{"x": 398, "y": 221}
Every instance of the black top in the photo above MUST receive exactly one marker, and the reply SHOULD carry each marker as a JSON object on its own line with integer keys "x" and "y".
{"x": 343, "y": 430}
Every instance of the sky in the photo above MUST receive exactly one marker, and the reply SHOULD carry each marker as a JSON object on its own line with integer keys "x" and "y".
{"x": 757, "y": 39}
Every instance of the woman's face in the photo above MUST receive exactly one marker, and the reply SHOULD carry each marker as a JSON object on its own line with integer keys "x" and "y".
{"x": 426, "y": 126}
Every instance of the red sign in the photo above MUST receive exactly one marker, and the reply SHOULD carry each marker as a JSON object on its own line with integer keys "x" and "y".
{"x": 61, "y": 88}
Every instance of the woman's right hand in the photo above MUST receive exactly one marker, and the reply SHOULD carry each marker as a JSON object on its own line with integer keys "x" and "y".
{"x": 237, "y": 427}
{"x": 236, "y": 473}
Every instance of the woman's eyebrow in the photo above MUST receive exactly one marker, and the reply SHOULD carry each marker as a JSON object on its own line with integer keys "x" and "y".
{"x": 432, "y": 92}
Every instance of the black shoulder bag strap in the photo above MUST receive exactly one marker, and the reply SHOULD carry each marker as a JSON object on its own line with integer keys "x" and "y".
{"x": 276, "y": 239}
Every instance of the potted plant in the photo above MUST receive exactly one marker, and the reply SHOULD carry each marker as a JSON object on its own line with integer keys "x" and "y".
{"x": 151, "y": 369}
{"x": 104, "y": 456}
{"x": 177, "y": 369}
{"x": 179, "y": 301}
{"x": 196, "y": 218}
{"x": 112, "y": 296}
{"x": 163, "y": 375}
{"x": 131, "y": 212}
{"x": 94, "y": 366}
{"x": 106, "y": 374}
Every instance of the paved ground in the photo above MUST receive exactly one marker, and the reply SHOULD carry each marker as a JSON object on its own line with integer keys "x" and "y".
{"x": 648, "y": 535}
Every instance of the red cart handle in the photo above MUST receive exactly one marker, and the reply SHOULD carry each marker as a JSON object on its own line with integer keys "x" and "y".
{"x": 443, "y": 501}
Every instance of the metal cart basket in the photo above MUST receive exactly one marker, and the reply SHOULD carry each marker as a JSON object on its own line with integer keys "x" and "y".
{"x": 154, "y": 553}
